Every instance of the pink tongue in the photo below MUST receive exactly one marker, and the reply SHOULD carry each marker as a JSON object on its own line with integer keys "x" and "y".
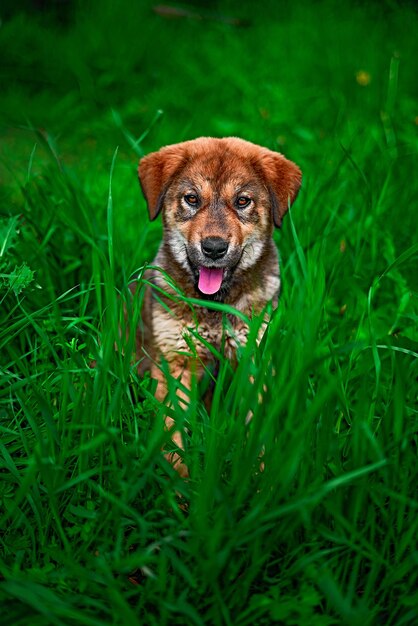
{"x": 210, "y": 279}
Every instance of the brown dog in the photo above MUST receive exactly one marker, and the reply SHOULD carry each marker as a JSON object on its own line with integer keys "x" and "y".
{"x": 220, "y": 200}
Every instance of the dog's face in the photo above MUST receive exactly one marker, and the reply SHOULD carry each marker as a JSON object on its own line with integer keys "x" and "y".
{"x": 220, "y": 199}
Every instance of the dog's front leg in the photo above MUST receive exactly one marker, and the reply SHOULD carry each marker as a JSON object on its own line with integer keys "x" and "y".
{"x": 180, "y": 371}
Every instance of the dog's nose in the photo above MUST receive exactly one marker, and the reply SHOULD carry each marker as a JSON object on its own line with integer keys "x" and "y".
{"x": 214, "y": 247}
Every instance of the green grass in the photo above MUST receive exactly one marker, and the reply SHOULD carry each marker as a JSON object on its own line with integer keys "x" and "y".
{"x": 91, "y": 531}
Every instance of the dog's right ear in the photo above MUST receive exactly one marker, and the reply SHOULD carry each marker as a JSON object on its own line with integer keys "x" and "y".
{"x": 284, "y": 179}
{"x": 155, "y": 172}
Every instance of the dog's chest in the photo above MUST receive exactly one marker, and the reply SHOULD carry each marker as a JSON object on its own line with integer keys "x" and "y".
{"x": 199, "y": 333}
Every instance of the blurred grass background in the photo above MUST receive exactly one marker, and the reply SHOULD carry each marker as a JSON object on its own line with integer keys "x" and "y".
{"x": 90, "y": 527}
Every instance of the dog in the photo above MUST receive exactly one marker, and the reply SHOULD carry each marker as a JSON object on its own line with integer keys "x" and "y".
{"x": 220, "y": 200}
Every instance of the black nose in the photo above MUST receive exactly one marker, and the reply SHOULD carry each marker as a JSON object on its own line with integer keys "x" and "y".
{"x": 214, "y": 247}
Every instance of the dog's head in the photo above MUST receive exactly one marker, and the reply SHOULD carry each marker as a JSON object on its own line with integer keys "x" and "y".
{"x": 220, "y": 199}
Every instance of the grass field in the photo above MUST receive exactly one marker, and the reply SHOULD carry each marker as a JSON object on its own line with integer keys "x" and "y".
{"x": 91, "y": 531}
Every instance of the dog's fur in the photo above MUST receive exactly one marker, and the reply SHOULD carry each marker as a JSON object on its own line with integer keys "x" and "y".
{"x": 214, "y": 174}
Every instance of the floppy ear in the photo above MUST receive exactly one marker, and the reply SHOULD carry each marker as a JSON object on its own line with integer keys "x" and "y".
{"x": 284, "y": 179}
{"x": 155, "y": 171}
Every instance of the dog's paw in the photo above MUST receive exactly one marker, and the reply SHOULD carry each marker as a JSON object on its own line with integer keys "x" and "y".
{"x": 177, "y": 463}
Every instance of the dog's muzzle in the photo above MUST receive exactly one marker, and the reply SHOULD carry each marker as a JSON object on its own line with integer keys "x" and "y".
{"x": 213, "y": 261}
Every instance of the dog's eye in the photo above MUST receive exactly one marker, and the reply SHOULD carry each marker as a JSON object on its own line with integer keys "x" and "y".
{"x": 243, "y": 201}
{"x": 191, "y": 199}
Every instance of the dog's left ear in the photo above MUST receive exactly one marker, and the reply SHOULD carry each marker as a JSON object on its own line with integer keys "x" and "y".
{"x": 155, "y": 172}
{"x": 284, "y": 179}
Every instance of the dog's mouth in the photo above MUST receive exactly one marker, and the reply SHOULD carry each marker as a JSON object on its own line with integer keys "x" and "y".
{"x": 210, "y": 280}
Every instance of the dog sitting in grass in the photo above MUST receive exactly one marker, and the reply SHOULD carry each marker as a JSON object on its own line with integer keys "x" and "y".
{"x": 220, "y": 200}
